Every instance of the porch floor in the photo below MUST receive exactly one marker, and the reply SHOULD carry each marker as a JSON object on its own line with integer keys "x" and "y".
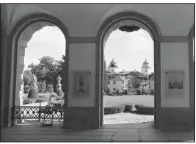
{"x": 122, "y": 132}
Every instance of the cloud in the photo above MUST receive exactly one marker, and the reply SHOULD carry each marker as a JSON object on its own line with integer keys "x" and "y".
{"x": 129, "y": 49}
{"x": 49, "y": 41}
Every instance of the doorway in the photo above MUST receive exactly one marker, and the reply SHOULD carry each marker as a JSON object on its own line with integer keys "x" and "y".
{"x": 128, "y": 76}
{"x": 23, "y": 35}
{"x": 132, "y": 21}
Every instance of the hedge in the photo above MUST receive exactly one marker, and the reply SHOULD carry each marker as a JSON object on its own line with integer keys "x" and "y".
{"x": 142, "y": 109}
{"x": 114, "y": 109}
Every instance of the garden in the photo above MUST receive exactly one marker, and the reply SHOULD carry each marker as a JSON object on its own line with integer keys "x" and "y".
{"x": 42, "y": 85}
{"x": 128, "y": 109}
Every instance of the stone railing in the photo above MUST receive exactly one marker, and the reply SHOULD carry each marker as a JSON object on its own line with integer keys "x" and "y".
{"x": 38, "y": 112}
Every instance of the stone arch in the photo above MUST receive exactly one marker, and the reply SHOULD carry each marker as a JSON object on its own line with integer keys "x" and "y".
{"x": 19, "y": 37}
{"x": 191, "y": 42}
{"x": 107, "y": 27}
{"x": 192, "y": 31}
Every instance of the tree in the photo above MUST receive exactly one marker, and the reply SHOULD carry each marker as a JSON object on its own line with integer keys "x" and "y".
{"x": 126, "y": 92}
{"x": 27, "y": 77}
{"x": 33, "y": 93}
{"x": 62, "y": 71}
{"x": 105, "y": 77}
{"x": 42, "y": 86}
{"x": 50, "y": 88}
{"x": 136, "y": 83}
{"x": 135, "y": 73}
{"x": 49, "y": 69}
{"x": 46, "y": 70}
{"x": 26, "y": 89}
{"x": 117, "y": 92}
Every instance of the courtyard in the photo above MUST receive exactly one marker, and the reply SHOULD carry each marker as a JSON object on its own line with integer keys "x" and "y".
{"x": 147, "y": 100}
{"x": 119, "y": 101}
{"x": 123, "y": 118}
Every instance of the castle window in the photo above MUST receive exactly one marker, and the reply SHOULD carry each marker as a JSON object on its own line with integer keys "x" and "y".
{"x": 114, "y": 82}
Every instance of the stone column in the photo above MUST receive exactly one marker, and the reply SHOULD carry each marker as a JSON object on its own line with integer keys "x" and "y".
{"x": 81, "y": 112}
{"x": 175, "y": 110}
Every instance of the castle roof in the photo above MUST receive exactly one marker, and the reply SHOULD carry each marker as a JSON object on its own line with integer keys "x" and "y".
{"x": 112, "y": 64}
{"x": 117, "y": 77}
{"x": 145, "y": 62}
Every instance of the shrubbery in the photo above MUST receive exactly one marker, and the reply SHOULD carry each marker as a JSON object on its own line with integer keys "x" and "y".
{"x": 117, "y": 92}
{"x": 26, "y": 89}
{"x": 44, "y": 97}
{"x": 54, "y": 95}
{"x": 26, "y": 101}
{"x": 128, "y": 108}
{"x": 60, "y": 98}
{"x": 126, "y": 92}
{"x": 142, "y": 109}
{"x": 114, "y": 109}
{"x": 60, "y": 93}
{"x": 50, "y": 88}
{"x": 39, "y": 100}
{"x": 42, "y": 86}
{"x": 33, "y": 94}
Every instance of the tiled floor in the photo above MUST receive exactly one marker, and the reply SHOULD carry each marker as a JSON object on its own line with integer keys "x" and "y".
{"x": 124, "y": 132}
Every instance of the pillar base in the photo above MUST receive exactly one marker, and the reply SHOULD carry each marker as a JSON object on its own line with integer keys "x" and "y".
{"x": 176, "y": 119}
{"x": 81, "y": 118}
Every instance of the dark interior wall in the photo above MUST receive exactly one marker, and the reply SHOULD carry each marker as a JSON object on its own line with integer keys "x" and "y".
{"x": 1, "y": 73}
{"x": 4, "y": 97}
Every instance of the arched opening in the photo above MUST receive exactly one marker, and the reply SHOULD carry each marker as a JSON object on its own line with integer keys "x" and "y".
{"x": 130, "y": 22}
{"x": 192, "y": 66}
{"x": 3, "y": 35}
{"x": 128, "y": 76}
{"x": 39, "y": 73}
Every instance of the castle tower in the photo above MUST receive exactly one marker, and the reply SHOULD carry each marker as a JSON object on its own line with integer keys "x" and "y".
{"x": 145, "y": 68}
{"x": 113, "y": 68}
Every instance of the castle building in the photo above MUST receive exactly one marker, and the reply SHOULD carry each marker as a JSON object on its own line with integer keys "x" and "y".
{"x": 145, "y": 68}
{"x": 118, "y": 80}
{"x": 113, "y": 68}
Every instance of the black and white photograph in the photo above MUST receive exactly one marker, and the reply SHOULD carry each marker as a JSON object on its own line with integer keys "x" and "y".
{"x": 175, "y": 83}
{"x": 97, "y": 71}
{"x": 82, "y": 83}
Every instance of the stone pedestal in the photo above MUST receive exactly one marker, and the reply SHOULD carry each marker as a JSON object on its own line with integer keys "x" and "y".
{"x": 81, "y": 112}
{"x": 176, "y": 110}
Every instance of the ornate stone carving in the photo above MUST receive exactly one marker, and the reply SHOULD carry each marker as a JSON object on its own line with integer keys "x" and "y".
{"x": 58, "y": 86}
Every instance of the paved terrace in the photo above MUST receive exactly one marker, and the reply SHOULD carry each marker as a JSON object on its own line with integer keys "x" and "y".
{"x": 119, "y": 133}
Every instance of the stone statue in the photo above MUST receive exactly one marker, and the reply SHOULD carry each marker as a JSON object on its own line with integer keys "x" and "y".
{"x": 58, "y": 86}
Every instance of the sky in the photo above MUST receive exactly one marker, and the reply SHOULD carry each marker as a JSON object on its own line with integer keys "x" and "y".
{"x": 129, "y": 50}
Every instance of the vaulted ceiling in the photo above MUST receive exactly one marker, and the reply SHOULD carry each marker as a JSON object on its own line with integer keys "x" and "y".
{"x": 84, "y": 20}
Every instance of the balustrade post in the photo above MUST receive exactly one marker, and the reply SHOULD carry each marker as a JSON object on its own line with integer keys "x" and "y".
{"x": 39, "y": 112}
{"x": 21, "y": 87}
